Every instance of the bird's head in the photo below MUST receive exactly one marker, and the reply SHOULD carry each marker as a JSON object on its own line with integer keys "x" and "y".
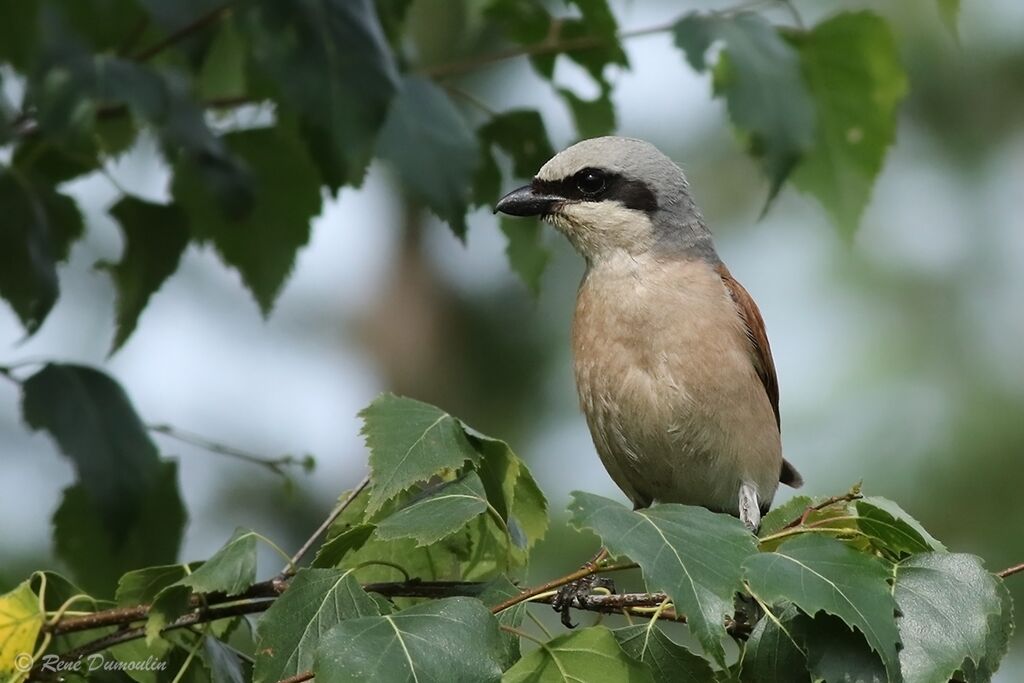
{"x": 612, "y": 194}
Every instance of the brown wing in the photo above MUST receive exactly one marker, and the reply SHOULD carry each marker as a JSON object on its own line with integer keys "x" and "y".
{"x": 761, "y": 351}
{"x": 761, "y": 356}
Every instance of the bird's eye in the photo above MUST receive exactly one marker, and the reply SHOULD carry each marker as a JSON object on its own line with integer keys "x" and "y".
{"x": 590, "y": 182}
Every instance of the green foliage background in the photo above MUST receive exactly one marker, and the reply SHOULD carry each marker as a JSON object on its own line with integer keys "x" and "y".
{"x": 917, "y": 298}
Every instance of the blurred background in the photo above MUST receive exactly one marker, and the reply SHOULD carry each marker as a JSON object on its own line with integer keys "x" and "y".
{"x": 898, "y": 353}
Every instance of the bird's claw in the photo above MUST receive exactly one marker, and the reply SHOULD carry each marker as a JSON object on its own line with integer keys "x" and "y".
{"x": 576, "y": 593}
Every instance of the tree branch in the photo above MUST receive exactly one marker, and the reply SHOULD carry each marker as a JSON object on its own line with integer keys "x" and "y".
{"x": 553, "y": 42}
{"x": 1010, "y": 571}
{"x": 335, "y": 513}
{"x": 298, "y": 678}
{"x": 123, "y": 616}
{"x": 200, "y": 616}
{"x": 581, "y": 573}
{"x": 275, "y": 465}
{"x": 211, "y": 17}
{"x": 846, "y": 497}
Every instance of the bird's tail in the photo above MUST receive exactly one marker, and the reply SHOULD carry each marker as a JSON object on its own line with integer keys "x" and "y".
{"x": 789, "y": 476}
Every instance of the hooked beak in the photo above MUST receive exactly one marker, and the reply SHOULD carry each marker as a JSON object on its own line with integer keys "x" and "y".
{"x": 526, "y": 202}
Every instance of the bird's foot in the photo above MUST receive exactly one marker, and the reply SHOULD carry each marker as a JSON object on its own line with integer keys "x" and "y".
{"x": 576, "y": 593}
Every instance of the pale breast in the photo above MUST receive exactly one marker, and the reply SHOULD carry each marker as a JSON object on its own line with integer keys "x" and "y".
{"x": 665, "y": 379}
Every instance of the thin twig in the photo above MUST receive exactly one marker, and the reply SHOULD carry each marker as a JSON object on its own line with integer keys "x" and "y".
{"x": 550, "y": 45}
{"x": 839, "y": 531}
{"x": 1010, "y": 571}
{"x": 298, "y": 678}
{"x": 275, "y": 465}
{"x": 122, "y": 616}
{"x": 199, "y": 616}
{"x": 472, "y": 99}
{"x": 132, "y": 39}
{"x": 846, "y": 497}
{"x": 581, "y": 573}
{"x": 211, "y": 17}
{"x": 335, "y": 513}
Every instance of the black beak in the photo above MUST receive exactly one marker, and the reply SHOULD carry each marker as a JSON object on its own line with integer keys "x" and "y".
{"x": 526, "y": 202}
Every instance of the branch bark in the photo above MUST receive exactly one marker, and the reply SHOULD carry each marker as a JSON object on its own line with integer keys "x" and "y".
{"x": 581, "y": 573}
{"x": 1010, "y": 571}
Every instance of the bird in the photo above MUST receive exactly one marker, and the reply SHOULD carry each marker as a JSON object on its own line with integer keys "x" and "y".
{"x": 673, "y": 367}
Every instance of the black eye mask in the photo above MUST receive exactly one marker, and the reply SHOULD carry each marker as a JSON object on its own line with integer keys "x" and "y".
{"x": 595, "y": 185}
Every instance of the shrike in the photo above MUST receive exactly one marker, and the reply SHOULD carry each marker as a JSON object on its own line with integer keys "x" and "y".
{"x": 672, "y": 363}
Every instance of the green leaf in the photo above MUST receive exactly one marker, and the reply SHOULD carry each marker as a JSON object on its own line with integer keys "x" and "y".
{"x": 77, "y": 83}
{"x": 432, "y": 148}
{"x": 487, "y": 181}
{"x": 779, "y": 517}
{"x": 378, "y": 559}
{"x": 333, "y": 551}
{"x": 454, "y": 639}
{"x": 947, "y": 604}
{"x": 495, "y": 593}
{"x": 668, "y": 661}
{"x": 523, "y": 22}
{"x": 169, "y": 604}
{"x": 409, "y": 442}
{"x": 529, "y": 508}
{"x": 335, "y": 72}
{"x": 759, "y": 74}
{"x": 526, "y": 251}
{"x": 852, "y": 68}
{"x": 593, "y": 118}
{"x": 289, "y": 633}
{"x": 1001, "y": 627}
{"x": 171, "y": 16}
{"x": 690, "y": 553}
{"x": 892, "y": 529}
{"x": 119, "y": 19}
{"x": 440, "y": 513}
{"x": 224, "y": 664}
{"x": 521, "y": 135}
{"x": 231, "y": 570}
{"x": 263, "y": 241}
{"x": 835, "y": 652}
{"x": 223, "y": 74}
{"x": 491, "y": 551}
{"x": 597, "y": 25}
{"x": 141, "y": 586}
{"x": 823, "y": 574}
{"x": 392, "y": 17}
{"x": 590, "y": 654}
{"x": 773, "y": 653}
{"x": 152, "y": 533}
{"x": 19, "y": 33}
{"x": 95, "y": 425}
{"x": 511, "y": 489}
{"x": 155, "y": 238}
{"x": 20, "y": 622}
{"x": 50, "y": 161}
{"x": 38, "y": 229}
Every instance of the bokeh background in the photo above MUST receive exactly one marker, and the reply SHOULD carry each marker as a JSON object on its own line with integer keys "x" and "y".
{"x": 899, "y": 352}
